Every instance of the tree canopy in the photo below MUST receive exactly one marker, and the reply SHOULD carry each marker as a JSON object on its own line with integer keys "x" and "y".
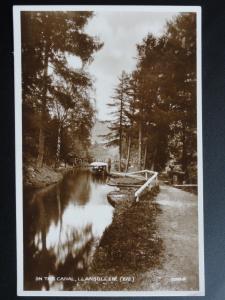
{"x": 54, "y": 93}
{"x": 161, "y": 99}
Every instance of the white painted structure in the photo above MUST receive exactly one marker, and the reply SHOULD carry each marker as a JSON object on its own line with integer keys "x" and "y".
{"x": 151, "y": 178}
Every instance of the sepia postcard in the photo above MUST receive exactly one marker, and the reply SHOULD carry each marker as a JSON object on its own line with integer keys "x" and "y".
{"x": 109, "y": 183}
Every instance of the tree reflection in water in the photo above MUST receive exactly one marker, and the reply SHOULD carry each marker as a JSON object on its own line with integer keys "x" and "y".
{"x": 62, "y": 224}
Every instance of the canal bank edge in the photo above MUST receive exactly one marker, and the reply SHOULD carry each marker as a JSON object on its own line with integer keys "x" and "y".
{"x": 129, "y": 246}
{"x": 41, "y": 177}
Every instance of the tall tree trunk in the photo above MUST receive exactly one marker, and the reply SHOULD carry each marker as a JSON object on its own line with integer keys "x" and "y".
{"x": 58, "y": 148}
{"x": 41, "y": 141}
{"x": 153, "y": 159}
{"x": 120, "y": 150}
{"x": 128, "y": 153}
{"x": 121, "y": 133}
{"x": 139, "y": 144}
{"x": 145, "y": 155}
{"x": 184, "y": 151}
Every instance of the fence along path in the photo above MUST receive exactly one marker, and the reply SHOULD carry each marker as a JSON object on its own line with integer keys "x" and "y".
{"x": 150, "y": 177}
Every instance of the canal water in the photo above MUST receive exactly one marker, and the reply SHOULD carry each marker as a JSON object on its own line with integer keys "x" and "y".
{"x": 63, "y": 224}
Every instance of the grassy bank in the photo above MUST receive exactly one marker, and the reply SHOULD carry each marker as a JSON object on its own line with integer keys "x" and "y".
{"x": 128, "y": 247}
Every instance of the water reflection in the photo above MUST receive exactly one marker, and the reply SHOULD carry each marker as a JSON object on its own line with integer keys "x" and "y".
{"x": 62, "y": 225}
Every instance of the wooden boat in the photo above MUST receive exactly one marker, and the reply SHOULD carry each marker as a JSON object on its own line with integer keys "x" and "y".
{"x": 99, "y": 168}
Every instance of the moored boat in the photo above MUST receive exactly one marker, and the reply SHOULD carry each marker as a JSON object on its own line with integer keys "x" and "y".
{"x": 99, "y": 168}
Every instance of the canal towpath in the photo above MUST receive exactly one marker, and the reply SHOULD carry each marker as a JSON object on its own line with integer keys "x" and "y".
{"x": 178, "y": 228}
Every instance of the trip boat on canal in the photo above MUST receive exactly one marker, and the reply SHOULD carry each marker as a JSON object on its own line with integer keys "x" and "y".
{"x": 99, "y": 168}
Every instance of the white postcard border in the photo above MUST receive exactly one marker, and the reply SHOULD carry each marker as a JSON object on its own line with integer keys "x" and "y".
{"x": 18, "y": 146}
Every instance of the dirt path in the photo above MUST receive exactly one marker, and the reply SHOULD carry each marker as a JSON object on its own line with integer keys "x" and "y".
{"x": 178, "y": 228}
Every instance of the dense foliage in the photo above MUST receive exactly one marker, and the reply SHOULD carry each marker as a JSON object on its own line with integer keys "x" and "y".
{"x": 57, "y": 108}
{"x": 155, "y": 105}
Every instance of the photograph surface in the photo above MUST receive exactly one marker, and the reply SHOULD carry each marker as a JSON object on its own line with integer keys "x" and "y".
{"x": 108, "y": 150}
